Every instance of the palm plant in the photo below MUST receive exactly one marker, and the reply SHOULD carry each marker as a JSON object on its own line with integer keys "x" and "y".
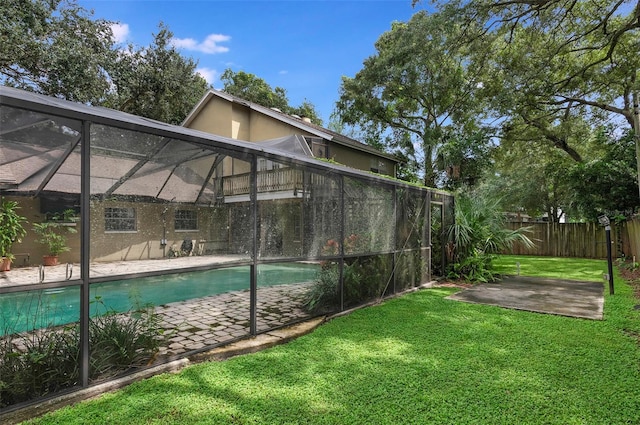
{"x": 479, "y": 232}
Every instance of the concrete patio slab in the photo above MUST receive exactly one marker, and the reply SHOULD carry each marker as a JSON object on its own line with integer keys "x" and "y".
{"x": 540, "y": 295}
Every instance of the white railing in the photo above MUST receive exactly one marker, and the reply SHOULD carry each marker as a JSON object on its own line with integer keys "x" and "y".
{"x": 277, "y": 180}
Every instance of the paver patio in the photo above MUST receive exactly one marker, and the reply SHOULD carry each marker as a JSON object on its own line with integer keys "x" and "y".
{"x": 218, "y": 318}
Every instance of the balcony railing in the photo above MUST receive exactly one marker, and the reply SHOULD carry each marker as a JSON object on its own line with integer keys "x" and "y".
{"x": 277, "y": 180}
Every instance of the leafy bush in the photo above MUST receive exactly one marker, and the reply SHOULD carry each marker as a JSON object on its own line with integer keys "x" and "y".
{"x": 473, "y": 268}
{"x": 42, "y": 362}
{"x": 38, "y": 363}
{"x": 120, "y": 342}
{"x": 324, "y": 294}
{"x": 365, "y": 278}
{"x": 11, "y": 226}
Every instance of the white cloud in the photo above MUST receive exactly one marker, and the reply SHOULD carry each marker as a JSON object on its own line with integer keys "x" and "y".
{"x": 120, "y": 32}
{"x": 208, "y": 74}
{"x": 209, "y": 45}
{"x": 283, "y": 72}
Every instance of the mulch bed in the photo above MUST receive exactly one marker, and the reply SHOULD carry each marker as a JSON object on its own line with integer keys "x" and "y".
{"x": 632, "y": 276}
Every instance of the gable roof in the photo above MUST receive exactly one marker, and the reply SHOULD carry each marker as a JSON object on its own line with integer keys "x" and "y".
{"x": 296, "y": 122}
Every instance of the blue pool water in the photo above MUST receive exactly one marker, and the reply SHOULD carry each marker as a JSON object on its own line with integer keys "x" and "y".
{"x": 52, "y": 307}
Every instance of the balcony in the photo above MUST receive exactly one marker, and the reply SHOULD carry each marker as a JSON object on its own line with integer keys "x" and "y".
{"x": 277, "y": 180}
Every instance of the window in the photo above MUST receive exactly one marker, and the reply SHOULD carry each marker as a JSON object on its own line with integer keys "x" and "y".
{"x": 378, "y": 166}
{"x": 120, "y": 220}
{"x": 186, "y": 220}
{"x": 319, "y": 146}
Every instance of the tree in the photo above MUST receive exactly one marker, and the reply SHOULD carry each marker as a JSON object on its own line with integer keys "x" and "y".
{"x": 464, "y": 159}
{"x": 156, "y": 81}
{"x": 421, "y": 83}
{"x": 569, "y": 58}
{"x": 53, "y": 47}
{"x": 254, "y": 89}
{"x": 479, "y": 232}
{"x": 56, "y": 48}
{"x": 606, "y": 185}
{"x": 531, "y": 178}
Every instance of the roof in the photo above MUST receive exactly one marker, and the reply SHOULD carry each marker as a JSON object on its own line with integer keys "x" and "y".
{"x": 296, "y": 122}
{"x": 40, "y": 138}
{"x": 294, "y": 144}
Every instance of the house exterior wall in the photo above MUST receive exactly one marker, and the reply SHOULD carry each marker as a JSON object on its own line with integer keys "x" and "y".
{"x": 361, "y": 160}
{"x": 238, "y": 121}
{"x": 144, "y": 242}
{"x": 213, "y": 236}
{"x": 264, "y": 127}
{"x": 216, "y": 118}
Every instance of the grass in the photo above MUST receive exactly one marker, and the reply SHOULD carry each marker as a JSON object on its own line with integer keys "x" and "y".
{"x": 562, "y": 268}
{"x": 418, "y": 359}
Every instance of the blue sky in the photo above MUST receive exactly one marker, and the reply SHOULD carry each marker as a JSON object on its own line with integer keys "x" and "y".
{"x": 303, "y": 46}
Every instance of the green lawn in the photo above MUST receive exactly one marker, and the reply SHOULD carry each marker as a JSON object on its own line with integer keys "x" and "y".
{"x": 417, "y": 359}
{"x": 565, "y": 268}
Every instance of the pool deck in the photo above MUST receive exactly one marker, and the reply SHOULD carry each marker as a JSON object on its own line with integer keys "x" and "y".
{"x": 20, "y": 276}
{"x": 196, "y": 324}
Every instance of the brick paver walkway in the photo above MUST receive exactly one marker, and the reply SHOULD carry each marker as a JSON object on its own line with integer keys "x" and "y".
{"x": 212, "y": 320}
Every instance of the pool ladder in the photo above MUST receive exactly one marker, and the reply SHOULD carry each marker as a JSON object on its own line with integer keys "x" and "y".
{"x": 68, "y": 272}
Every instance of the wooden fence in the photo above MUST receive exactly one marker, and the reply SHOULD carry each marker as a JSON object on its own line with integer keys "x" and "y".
{"x": 633, "y": 238}
{"x": 580, "y": 240}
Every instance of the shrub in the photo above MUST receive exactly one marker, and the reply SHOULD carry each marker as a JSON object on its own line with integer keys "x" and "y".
{"x": 38, "y": 363}
{"x": 365, "y": 278}
{"x": 119, "y": 342}
{"x": 479, "y": 232}
{"x": 473, "y": 268}
{"x": 324, "y": 295}
{"x": 35, "y": 364}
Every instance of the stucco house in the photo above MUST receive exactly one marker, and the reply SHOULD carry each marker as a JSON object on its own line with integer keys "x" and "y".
{"x": 229, "y": 116}
{"x": 150, "y": 193}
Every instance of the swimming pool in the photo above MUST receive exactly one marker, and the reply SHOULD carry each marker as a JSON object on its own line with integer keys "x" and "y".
{"x": 30, "y": 310}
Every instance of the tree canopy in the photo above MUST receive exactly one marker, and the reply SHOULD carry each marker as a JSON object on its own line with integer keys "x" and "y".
{"x": 155, "y": 81}
{"x": 57, "y": 48}
{"x": 54, "y": 47}
{"x": 420, "y": 85}
{"x": 540, "y": 79}
{"x": 562, "y": 60}
{"x": 254, "y": 89}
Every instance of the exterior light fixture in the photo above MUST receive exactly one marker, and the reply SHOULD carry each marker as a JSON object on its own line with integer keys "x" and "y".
{"x": 604, "y": 221}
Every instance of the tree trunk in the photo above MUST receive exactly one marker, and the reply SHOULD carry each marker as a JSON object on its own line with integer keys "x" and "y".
{"x": 429, "y": 175}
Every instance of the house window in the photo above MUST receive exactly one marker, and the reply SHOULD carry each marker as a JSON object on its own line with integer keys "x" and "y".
{"x": 186, "y": 220}
{"x": 262, "y": 164}
{"x": 378, "y": 166}
{"x": 319, "y": 147}
{"x": 120, "y": 220}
